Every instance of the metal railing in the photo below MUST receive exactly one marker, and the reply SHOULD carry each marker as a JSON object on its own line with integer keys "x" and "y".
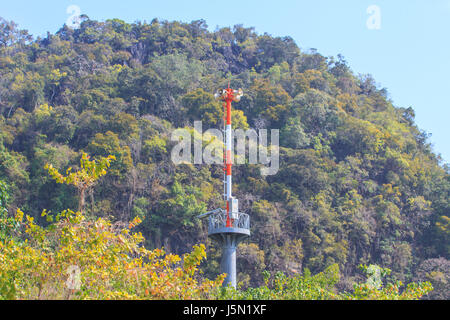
{"x": 218, "y": 221}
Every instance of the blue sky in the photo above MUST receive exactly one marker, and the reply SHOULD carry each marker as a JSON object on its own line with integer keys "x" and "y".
{"x": 409, "y": 54}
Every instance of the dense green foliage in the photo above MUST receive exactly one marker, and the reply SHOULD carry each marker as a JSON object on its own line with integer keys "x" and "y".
{"x": 76, "y": 257}
{"x": 322, "y": 286}
{"x": 358, "y": 181}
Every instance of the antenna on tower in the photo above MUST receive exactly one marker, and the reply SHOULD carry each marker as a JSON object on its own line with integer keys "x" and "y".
{"x": 228, "y": 226}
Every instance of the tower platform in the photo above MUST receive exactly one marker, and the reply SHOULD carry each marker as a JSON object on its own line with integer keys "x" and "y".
{"x": 217, "y": 225}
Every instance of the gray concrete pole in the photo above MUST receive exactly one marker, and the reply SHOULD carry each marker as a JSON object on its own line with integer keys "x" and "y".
{"x": 228, "y": 263}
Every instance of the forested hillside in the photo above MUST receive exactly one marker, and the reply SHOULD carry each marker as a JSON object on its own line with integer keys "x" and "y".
{"x": 358, "y": 182}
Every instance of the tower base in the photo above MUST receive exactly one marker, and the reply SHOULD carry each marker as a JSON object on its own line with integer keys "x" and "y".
{"x": 229, "y": 238}
{"x": 229, "y": 242}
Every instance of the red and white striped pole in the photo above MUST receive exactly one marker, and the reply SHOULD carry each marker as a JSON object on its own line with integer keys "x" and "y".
{"x": 228, "y": 95}
{"x": 228, "y": 153}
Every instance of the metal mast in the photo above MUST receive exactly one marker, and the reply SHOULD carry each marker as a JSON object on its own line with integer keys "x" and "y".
{"x": 229, "y": 226}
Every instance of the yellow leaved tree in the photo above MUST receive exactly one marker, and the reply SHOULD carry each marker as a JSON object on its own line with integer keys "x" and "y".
{"x": 77, "y": 257}
{"x": 84, "y": 179}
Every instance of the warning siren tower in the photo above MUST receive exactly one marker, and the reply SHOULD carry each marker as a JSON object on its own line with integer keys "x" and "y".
{"x": 227, "y": 225}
